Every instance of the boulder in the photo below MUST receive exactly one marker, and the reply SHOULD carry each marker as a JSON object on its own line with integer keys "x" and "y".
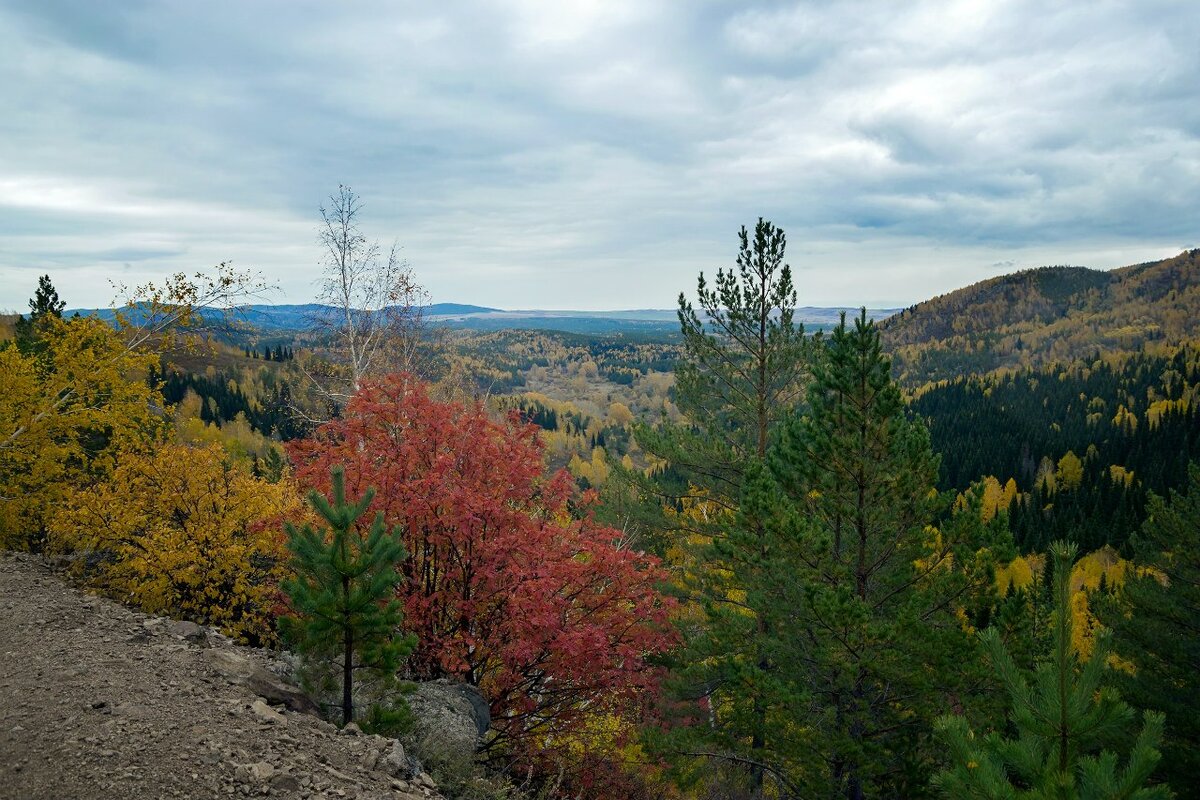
{"x": 239, "y": 670}
{"x": 395, "y": 762}
{"x": 450, "y": 720}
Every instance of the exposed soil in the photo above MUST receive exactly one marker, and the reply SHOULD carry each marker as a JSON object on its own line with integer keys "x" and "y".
{"x": 98, "y": 701}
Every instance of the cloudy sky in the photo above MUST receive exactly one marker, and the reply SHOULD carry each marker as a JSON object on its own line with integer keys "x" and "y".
{"x": 596, "y": 153}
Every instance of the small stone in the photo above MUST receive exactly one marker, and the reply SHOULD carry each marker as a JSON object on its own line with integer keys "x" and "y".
{"x": 283, "y": 782}
{"x": 261, "y": 772}
{"x": 424, "y": 780}
{"x": 264, "y": 713}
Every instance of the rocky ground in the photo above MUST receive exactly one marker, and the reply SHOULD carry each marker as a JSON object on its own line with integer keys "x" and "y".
{"x": 97, "y": 701}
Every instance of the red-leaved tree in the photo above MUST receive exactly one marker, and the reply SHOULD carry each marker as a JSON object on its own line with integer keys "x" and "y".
{"x": 506, "y": 589}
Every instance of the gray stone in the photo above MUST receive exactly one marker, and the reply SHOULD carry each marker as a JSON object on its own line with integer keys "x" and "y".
{"x": 450, "y": 720}
{"x": 283, "y": 782}
{"x": 239, "y": 670}
{"x": 261, "y": 772}
{"x": 395, "y": 762}
{"x": 264, "y": 713}
{"x": 189, "y": 631}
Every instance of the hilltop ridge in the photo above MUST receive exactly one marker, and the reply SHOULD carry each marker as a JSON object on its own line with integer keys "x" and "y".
{"x": 1046, "y": 315}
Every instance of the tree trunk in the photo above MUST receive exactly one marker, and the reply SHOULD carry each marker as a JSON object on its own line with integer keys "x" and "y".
{"x": 347, "y": 660}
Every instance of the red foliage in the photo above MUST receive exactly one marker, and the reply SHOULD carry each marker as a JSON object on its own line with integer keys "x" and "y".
{"x": 547, "y": 614}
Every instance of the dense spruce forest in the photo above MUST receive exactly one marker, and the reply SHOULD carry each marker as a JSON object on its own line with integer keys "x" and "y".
{"x": 1126, "y": 425}
{"x": 739, "y": 561}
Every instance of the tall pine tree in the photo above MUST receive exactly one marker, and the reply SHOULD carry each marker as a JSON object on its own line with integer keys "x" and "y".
{"x": 1062, "y": 719}
{"x": 344, "y": 594}
{"x": 741, "y": 373}
{"x": 870, "y": 592}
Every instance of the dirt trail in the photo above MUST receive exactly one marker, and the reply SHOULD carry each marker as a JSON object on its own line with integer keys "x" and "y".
{"x": 97, "y": 701}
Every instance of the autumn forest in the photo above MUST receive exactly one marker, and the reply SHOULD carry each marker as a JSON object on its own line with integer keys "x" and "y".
{"x": 954, "y": 552}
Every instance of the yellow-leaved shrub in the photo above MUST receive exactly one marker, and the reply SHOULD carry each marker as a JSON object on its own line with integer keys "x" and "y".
{"x": 184, "y": 531}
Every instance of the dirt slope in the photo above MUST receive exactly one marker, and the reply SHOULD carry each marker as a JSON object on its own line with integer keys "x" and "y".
{"x": 97, "y": 701}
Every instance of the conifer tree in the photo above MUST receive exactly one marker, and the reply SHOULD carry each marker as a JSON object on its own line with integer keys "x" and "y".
{"x": 344, "y": 593}
{"x": 1154, "y": 617}
{"x": 44, "y": 305}
{"x": 866, "y": 589}
{"x": 1062, "y": 718}
{"x": 741, "y": 373}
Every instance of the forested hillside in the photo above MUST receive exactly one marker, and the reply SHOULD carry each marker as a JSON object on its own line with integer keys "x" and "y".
{"x": 1084, "y": 443}
{"x": 1044, "y": 316}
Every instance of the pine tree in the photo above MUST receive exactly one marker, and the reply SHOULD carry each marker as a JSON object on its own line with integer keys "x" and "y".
{"x": 344, "y": 594}
{"x": 741, "y": 373}
{"x": 1062, "y": 718}
{"x": 42, "y": 307}
{"x": 867, "y": 588}
{"x": 1153, "y": 619}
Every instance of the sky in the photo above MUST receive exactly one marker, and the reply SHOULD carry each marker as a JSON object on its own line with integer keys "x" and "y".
{"x": 596, "y": 154}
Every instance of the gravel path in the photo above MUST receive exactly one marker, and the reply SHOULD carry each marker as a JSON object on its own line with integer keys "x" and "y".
{"x": 97, "y": 701}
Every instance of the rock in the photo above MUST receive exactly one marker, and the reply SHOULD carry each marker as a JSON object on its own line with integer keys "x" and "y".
{"x": 242, "y": 671}
{"x": 423, "y": 779}
{"x": 264, "y": 713}
{"x": 189, "y": 631}
{"x": 283, "y": 782}
{"x": 261, "y": 772}
{"x": 450, "y": 720}
{"x": 351, "y": 729}
{"x": 395, "y": 762}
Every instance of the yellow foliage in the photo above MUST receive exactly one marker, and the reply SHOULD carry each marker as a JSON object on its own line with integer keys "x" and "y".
{"x": 619, "y": 413}
{"x": 1125, "y": 419}
{"x": 682, "y": 557}
{"x": 63, "y": 417}
{"x": 992, "y": 495}
{"x": 1085, "y": 578}
{"x": 1069, "y": 473}
{"x": 1119, "y": 474}
{"x": 1018, "y": 573}
{"x": 187, "y": 532}
{"x": 1158, "y": 408}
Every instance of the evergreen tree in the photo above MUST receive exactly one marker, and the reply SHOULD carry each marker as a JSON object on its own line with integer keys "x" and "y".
{"x": 867, "y": 589}
{"x": 741, "y": 373}
{"x": 272, "y": 465}
{"x": 344, "y": 593}
{"x": 43, "y": 306}
{"x": 1154, "y": 622}
{"x": 45, "y": 301}
{"x": 1061, "y": 719}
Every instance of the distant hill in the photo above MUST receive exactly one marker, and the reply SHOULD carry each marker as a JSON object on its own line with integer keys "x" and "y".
{"x": 273, "y": 319}
{"x": 1046, "y": 315}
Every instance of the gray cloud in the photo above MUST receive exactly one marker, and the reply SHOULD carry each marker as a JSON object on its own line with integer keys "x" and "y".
{"x": 597, "y": 154}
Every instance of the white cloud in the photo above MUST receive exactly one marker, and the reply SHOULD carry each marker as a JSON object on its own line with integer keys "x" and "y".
{"x": 601, "y": 153}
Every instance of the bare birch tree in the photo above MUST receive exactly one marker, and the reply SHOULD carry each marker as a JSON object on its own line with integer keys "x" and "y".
{"x": 372, "y": 308}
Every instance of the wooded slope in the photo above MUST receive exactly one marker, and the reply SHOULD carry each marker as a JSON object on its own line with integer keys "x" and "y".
{"x": 1046, "y": 315}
